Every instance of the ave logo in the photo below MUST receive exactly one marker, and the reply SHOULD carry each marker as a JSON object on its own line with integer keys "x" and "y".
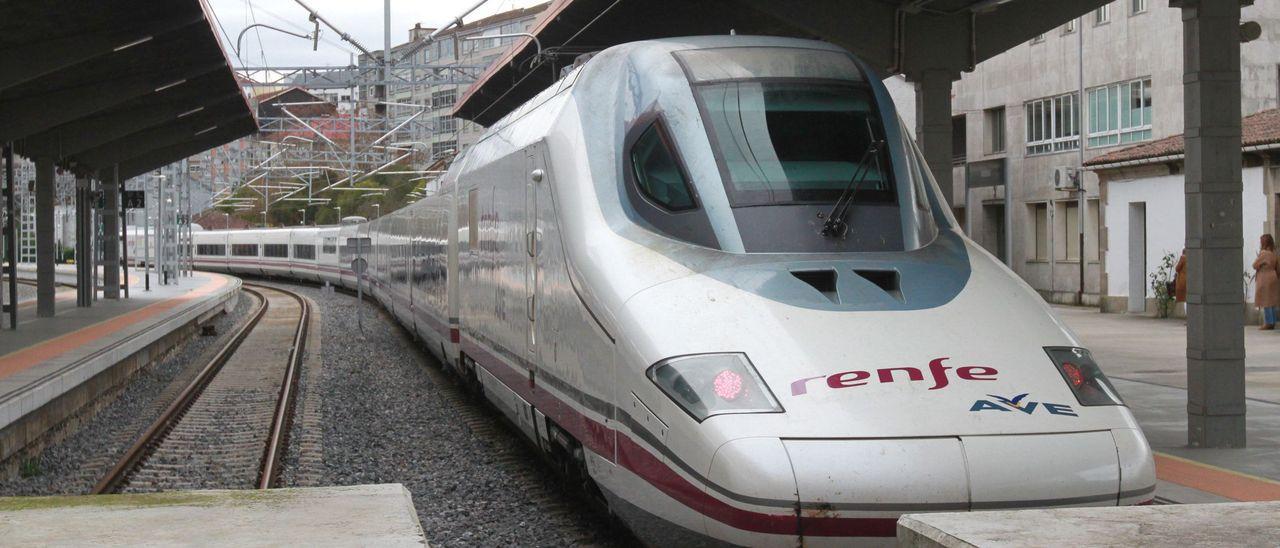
{"x": 1020, "y": 403}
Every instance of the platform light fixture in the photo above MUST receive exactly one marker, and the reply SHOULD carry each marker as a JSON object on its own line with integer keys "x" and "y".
{"x": 139, "y": 41}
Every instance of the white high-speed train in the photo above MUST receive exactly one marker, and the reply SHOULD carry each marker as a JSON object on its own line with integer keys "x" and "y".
{"x": 713, "y": 277}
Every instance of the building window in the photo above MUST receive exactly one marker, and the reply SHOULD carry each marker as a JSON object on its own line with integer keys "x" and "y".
{"x": 959, "y": 143}
{"x": 1120, "y": 113}
{"x": 1039, "y": 247}
{"x": 444, "y": 98}
{"x": 445, "y": 124}
{"x": 1070, "y": 27}
{"x": 1102, "y": 15}
{"x": 439, "y": 148}
{"x": 1137, "y": 6}
{"x": 993, "y": 130}
{"x": 1052, "y": 125}
{"x": 275, "y": 250}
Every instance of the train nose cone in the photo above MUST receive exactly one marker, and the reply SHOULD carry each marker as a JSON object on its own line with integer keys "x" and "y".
{"x": 858, "y": 487}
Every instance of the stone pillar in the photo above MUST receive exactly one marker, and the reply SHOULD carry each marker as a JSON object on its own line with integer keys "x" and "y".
{"x": 44, "y": 238}
{"x": 1215, "y": 323}
{"x": 933, "y": 124}
{"x": 111, "y": 235}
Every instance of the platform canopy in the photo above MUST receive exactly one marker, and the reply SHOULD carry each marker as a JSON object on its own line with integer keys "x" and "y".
{"x": 896, "y": 36}
{"x": 95, "y": 84}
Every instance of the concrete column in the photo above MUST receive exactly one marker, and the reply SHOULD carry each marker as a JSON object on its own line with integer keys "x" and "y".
{"x": 111, "y": 235}
{"x": 933, "y": 124}
{"x": 44, "y": 238}
{"x": 84, "y": 282}
{"x": 1215, "y": 335}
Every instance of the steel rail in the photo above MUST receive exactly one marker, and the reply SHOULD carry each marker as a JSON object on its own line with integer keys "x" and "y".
{"x": 270, "y": 464}
{"x": 273, "y": 457}
{"x": 174, "y": 412}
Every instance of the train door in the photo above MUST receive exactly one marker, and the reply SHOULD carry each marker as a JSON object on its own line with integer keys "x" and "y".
{"x": 532, "y": 179}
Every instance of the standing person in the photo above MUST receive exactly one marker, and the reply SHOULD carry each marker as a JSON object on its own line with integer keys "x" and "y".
{"x": 1267, "y": 282}
{"x": 1180, "y": 278}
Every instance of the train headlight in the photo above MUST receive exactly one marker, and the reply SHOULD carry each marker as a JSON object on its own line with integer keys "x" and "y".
{"x": 1083, "y": 376}
{"x": 705, "y": 385}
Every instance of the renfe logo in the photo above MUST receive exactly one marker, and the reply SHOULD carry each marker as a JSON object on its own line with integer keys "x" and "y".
{"x": 937, "y": 371}
{"x": 1016, "y": 404}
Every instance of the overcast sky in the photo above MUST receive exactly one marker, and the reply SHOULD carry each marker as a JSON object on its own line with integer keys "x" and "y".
{"x": 362, "y": 19}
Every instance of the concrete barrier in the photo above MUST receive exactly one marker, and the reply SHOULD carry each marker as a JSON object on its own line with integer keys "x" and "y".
{"x": 360, "y": 515}
{"x": 1234, "y": 524}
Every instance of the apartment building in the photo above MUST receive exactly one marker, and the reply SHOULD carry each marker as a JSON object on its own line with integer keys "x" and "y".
{"x": 474, "y": 44}
{"x": 1109, "y": 80}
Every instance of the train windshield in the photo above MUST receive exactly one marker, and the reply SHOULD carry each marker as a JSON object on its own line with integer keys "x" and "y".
{"x": 782, "y": 142}
{"x": 797, "y": 132}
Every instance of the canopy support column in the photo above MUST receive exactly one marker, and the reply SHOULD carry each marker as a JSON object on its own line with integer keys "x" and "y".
{"x": 45, "y": 183}
{"x": 933, "y": 125}
{"x": 1215, "y": 322}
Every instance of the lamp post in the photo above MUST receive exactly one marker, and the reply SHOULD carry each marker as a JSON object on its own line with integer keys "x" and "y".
{"x": 303, "y": 211}
{"x": 377, "y": 210}
{"x": 339, "y": 208}
{"x": 264, "y": 219}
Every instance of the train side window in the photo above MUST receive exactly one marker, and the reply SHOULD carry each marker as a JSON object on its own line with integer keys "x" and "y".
{"x": 657, "y": 174}
{"x": 304, "y": 251}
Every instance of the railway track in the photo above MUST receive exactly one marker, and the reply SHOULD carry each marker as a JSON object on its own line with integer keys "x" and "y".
{"x": 227, "y": 429}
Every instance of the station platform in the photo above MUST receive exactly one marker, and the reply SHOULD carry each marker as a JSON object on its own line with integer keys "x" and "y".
{"x": 1232, "y": 525}
{"x": 361, "y": 515}
{"x": 51, "y": 367}
{"x": 1145, "y": 358}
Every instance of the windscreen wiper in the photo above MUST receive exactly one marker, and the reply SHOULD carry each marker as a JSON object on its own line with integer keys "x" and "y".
{"x": 835, "y": 225}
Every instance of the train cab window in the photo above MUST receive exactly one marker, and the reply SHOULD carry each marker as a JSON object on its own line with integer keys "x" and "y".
{"x": 657, "y": 174}
{"x": 244, "y": 250}
{"x": 330, "y": 246}
{"x": 275, "y": 250}
{"x": 304, "y": 251}
{"x": 211, "y": 250}
{"x": 658, "y": 187}
{"x": 783, "y": 142}
{"x": 797, "y": 132}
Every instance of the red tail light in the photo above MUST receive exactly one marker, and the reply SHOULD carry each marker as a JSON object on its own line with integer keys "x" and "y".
{"x": 1074, "y": 376}
{"x": 1083, "y": 376}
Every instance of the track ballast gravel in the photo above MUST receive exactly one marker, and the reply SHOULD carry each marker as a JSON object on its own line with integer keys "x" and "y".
{"x": 73, "y": 465}
{"x": 390, "y": 417}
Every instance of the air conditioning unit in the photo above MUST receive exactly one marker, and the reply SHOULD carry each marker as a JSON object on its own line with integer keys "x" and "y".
{"x": 1066, "y": 178}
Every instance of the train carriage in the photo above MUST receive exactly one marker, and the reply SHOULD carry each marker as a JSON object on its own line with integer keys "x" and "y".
{"x": 303, "y": 253}
{"x": 714, "y": 276}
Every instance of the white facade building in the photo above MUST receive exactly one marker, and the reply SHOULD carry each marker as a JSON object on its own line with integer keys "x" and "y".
{"x": 1143, "y": 199}
{"x": 1021, "y": 112}
{"x": 461, "y": 46}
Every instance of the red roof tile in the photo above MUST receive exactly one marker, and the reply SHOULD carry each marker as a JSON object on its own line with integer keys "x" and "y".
{"x": 1262, "y": 128}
